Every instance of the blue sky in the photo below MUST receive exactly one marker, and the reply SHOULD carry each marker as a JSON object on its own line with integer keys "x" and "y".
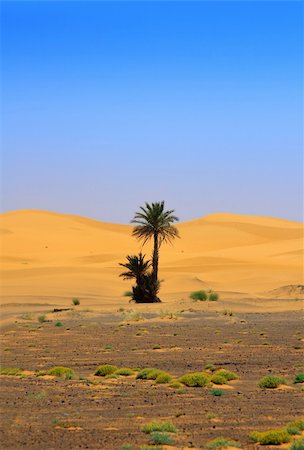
{"x": 106, "y": 105}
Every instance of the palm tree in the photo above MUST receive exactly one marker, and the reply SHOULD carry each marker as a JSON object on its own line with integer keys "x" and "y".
{"x": 137, "y": 267}
{"x": 153, "y": 222}
{"x": 145, "y": 290}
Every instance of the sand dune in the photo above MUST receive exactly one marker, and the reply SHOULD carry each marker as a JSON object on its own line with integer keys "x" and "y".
{"x": 49, "y": 254}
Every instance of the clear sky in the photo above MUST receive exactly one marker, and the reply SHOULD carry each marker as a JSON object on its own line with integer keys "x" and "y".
{"x": 106, "y": 105}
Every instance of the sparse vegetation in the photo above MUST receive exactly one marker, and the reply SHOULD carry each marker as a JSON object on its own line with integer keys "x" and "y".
{"x": 196, "y": 379}
{"x": 175, "y": 384}
{"x": 216, "y": 392}
{"x": 220, "y": 443}
{"x": 199, "y": 296}
{"x": 76, "y": 301}
{"x": 42, "y": 318}
{"x": 105, "y": 369}
{"x": 297, "y": 444}
{"x": 159, "y": 426}
{"x": 218, "y": 379}
{"x": 10, "y": 371}
{"x": 213, "y": 296}
{"x": 128, "y": 294}
{"x": 271, "y": 382}
{"x": 210, "y": 367}
{"x": 63, "y": 372}
{"x": 156, "y": 347}
{"x": 163, "y": 378}
{"x": 227, "y": 374}
{"x": 143, "y": 374}
{"x": 299, "y": 378}
{"x": 58, "y": 324}
{"x": 271, "y": 437}
{"x": 161, "y": 438}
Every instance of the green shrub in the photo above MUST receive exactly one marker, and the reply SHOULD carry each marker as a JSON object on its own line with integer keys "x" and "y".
{"x": 153, "y": 374}
{"x": 41, "y": 319}
{"x": 142, "y": 375}
{"x": 163, "y": 378}
{"x": 218, "y": 379}
{"x": 161, "y": 438}
{"x": 196, "y": 379}
{"x": 60, "y": 371}
{"x": 124, "y": 371}
{"x": 220, "y": 443}
{"x": 175, "y": 384}
{"x": 292, "y": 428}
{"x": 299, "y": 378}
{"x": 299, "y": 424}
{"x": 198, "y": 295}
{"x": 76, "y": 301}
{"x": 111, "y": 375}
{"x": 105, "y": 369}
{"x": 213, "y": 296}
{"x": 156, "y": 347}
{"x": 58, "y": 324}
{"x": 227, "y": 374}
{"x": 297, "y": 444}
{"x": 270, "y": 437}
{"x": 159, "y": 426}
{"x": 271, "y": 382}
{"x": 10, "y": 371}
{"x": 216, "y": 392}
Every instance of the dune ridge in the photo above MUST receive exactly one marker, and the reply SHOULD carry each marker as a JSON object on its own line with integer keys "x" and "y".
{"x": 46, "y": 253}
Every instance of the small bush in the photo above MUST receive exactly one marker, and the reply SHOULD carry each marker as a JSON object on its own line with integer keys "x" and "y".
{"x": 270, "y": 437}
{"x": 105, "y": 369}
{"x": 299, "y": 378}
{"x": 297, "y": 444}
{"x": 58, "y": 324}
{"x": 142, "y": 375}
{"x": 111, "y": 375}
{"x": 299, "y": 424}
{"x": 220, "y": 443}
{"x": 124, "y": 371}
{"x": 159, "y": 426}
{"x": 218, "y": 379}
{"x": 156, "y": 347}
{"x": 198, "y": 296}
{"x": 41, "y": 319}
{"x": 292, "y": 428}
{"x": 153, "y": 374}
{"x": 271, "y": 382}
{"x": 10, "y": 371}
{"x": 163, "y": 378}
{"x": 227, "y": 374}
{"x": 196, "y": 379}
{"x": 60, "y": 371}
{"x": 216, "y": 392}
{"x": 161, "y": 438}
{"x": 75, "y": 301}
{"x": 213, "y": 296}
{"x": 175, "y": 384}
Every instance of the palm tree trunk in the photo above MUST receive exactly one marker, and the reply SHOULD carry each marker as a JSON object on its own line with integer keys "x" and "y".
{"x": 155, "y": 258}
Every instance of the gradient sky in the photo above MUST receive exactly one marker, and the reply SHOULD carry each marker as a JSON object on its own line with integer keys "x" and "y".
{"x": 106, "y": 105}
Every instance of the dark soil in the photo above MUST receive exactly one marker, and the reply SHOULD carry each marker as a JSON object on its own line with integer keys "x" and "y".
{"x": 43, "y": 413}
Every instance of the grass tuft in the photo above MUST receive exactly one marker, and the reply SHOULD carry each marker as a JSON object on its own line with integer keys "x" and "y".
{"x": 218, "y": 379}
{"x": 299, "y": 378}
{"x": 199, "y": 296}
{"x": 216, "y": 392}
{"x": 213, "y": 296}
{"x": 10, "y": 371}
{"x": 76, "y": 301}
{"x": 161, "y": 438}
{"x": 196, "y": 379}
{"x": 105, "y": 369}
{"x": 297, "y": 444}
{"x": 227, "y": 374}
{"x": 271, "y": 382}
{"x": 159, "y": 426}
{"x": 270, "y": 437}
{"x": 163, "y": 378}
{"x": 60, "y": 371}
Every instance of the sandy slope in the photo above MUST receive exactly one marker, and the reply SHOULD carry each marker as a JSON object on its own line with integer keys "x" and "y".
{"x": 46, "y": 255}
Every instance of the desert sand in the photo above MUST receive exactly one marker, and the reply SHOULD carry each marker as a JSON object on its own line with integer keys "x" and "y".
{"x": 48, "y": 255}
